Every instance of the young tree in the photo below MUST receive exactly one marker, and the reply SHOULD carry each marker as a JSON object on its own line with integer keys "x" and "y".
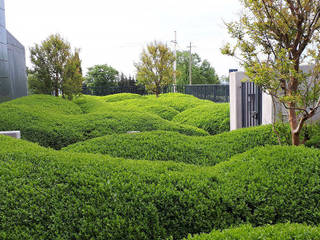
{"x": 275, "y": 37}
{"x": 102, "y": 79}
{"x": 155, "y": 69}
{"x": 202, "y": 71}
{"x": 55, "y": 67}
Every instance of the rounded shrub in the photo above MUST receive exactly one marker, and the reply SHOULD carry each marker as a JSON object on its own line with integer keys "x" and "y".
{"x": 59, "y": 126}
{"x": 271, "y": 185}
{"x": 271, "y": 232}
{"x": 166, "y": 146}
{"x": 47, "y": 194}
{"x": 214, "y": 118}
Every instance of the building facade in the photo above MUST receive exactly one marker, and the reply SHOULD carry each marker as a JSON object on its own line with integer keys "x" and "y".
{"x": 13, "y": 76}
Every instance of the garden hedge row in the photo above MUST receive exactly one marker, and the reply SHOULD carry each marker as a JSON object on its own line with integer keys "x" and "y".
{"x": 172, "y": 146}
{"x": 47, "y": 194}
{"x": 54, "y": 122}
{"x": 274, "y": 232}
{"x": 214, "y": 118}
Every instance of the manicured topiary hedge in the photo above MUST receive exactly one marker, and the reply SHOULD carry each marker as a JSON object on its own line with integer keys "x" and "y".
{"x": 214, "y": 118}
{"x": 275, "y": 232}
{"x": 54, "y": 122}
{"x": 166, "y": 146}
{"x": 47, "y": 194}
{"x": 271, "y": 185}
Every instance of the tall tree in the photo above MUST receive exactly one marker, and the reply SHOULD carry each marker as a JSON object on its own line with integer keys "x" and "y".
{"x": 202, "y": 71}
{"x": 274, "y": 38}
{"x": 52, "y": 69}
{"x": 155, "y": 69}
{"x": 102, "y": 79}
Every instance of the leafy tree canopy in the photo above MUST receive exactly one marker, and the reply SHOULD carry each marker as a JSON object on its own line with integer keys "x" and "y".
{"x": 155, "y": 69}
{"x": 202, "y": 71}
{"x": 102, "y": 79}
{"x": 56, "y": 68}
{"x": 274, "y": 38}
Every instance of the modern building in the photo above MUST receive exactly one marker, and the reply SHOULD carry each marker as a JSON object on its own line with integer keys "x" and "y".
{"x": 13, "y": 76}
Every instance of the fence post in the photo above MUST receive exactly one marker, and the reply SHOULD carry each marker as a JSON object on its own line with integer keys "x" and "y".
{"x": 235, "y": 99}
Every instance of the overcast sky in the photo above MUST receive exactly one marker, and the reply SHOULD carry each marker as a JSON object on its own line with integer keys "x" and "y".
{"x": 115, "y": 32}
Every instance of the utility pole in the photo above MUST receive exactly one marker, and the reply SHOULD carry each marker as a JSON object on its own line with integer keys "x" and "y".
{"x": 190, "y": 64}
{"x": 175, "y": 63}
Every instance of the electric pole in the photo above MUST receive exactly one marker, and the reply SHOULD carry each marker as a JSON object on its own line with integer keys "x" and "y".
{"x": 190, "y": 64}
{"x": 175, "y": 63}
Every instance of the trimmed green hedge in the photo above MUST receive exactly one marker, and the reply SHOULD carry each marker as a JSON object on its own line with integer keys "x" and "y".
{"x": 214, "y": 118}
{"x": 54, "y": 122}
{"x": 166, "y": 146}
{"x": 276, "y": 232}
{"x": 271, "y": 185}
{"x": 47, "y": 194}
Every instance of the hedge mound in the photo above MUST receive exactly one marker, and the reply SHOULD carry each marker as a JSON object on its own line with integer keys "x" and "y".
{"x": 275, "y": 232}
{"x": 54, "y": 122}
{"x": 214, "y": 118}
{"x": 47, "y": 194}
{"x": 271, "y": 185}
{"x": 166, "y": 146}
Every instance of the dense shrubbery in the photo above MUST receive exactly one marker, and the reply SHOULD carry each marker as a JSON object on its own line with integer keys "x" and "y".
{"x": 271, "y": 185}
{"x": 165, "y": 146}
{"x": 47, "y": 194}
{"x": 275, "y": 232}
{"x": 54, "y": 122}
{"x": 214, "y": 118}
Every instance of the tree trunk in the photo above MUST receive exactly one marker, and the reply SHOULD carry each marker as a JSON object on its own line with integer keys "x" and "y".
{"x": 295, "y": 136}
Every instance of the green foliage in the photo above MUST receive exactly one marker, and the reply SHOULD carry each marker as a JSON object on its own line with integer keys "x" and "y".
{"x": 102, "y": 80}
{"x": 273, "y": 40}
{"x": 55, "y": 68}
{"x": 214, "y": 118}
{"x": 172, "y": 146}
{"x": 271, "y": 185}
{"x": 47, "y": 194}
{"x": 41, "y": 121}
{"x": 155, "y": 69}
{"x": 202, "y": 71}
{"x": 276, "y": 232}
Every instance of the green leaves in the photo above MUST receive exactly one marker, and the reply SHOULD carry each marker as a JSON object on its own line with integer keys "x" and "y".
{"x": 155, "y": 69}
{"x": 56, "y": 69}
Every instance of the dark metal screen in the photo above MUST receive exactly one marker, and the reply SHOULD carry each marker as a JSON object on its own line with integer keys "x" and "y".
{"x": 213, "y": 92}
{"x": 251, "y": 104}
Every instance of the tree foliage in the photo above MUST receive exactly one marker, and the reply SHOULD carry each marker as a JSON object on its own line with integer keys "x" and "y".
{"x": 274, "y": 39}
{"x": 102, "y": 79}
{"x": 56, "y": 69}
{"x": 202, "y": 71}
{"x": 155, "y": 69}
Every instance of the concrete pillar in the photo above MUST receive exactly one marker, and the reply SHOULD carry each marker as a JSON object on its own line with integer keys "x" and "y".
{"x": 235, "y": 99}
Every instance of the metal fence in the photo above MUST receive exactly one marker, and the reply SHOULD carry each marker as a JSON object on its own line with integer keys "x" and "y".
{"x": 213, "y": 92}
{"x": 251, "y": 104}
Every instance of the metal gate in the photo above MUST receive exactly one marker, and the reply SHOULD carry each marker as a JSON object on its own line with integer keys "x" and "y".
{"x": 251, "y": 104}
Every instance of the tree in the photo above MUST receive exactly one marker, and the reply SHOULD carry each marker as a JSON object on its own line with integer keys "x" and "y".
{"x": 155, "y": 69}
{"x": 102, "y": 79}
{"x": 274, "y": 38}
{"x": 55, "y": 68}
{"x": 202, "y": 71}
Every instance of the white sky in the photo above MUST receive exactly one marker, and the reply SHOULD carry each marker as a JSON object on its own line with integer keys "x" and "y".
{"x": 115, "y": 32}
